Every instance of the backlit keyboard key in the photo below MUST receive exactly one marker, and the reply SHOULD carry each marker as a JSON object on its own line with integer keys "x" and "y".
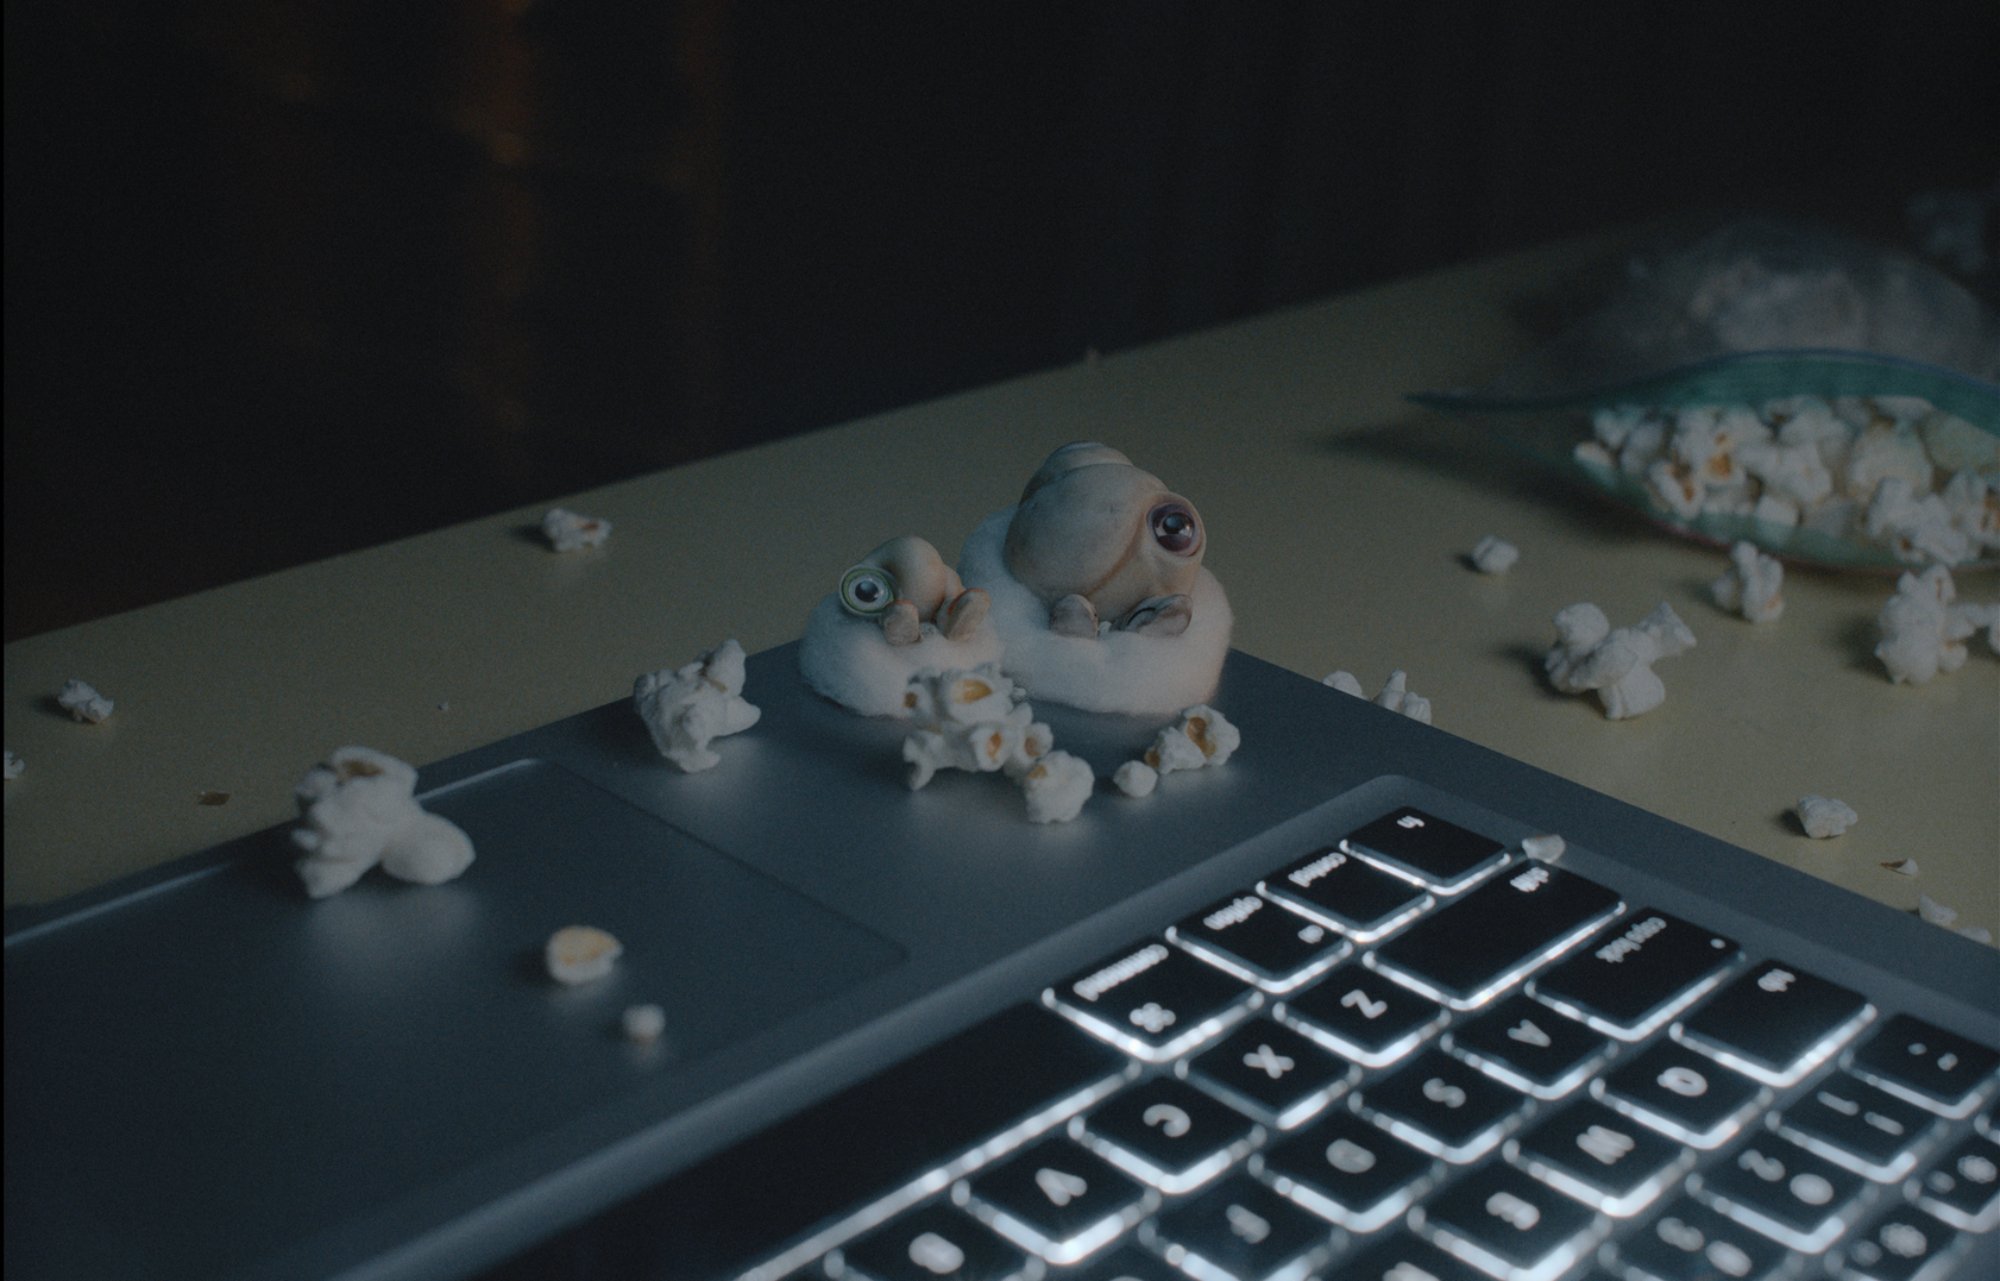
{"x": 1406, "y": 1257}
{"x": 1168, "y": 1133}
{"x": 1444, "y": 856}
{"x": 935, "y": 1243}
{"x": 1273, "y": 1073}
{"x": 1529, "y": 1046}
{"x": 1057, "y": 1199}
{"x": 1443, "y": 1106}
{"x": 1776, "y": 1022}
{"x": 1690, "y": 1242}
{"x": 1259, "y": 942}
{"x": 1783, "y": 1191}
{"x": 1637, "y": 973}
{"x": 1689, "y": 1098}
{"x": 1601, "y": 1158}
{"x": 1362, "y": 1016}
{"x": 1240, "y": 1230}
{"x": 1127, "y": 1262}
{"x": 1962, "y": 1186}
{"x": 1471, "y": 948}
{"x": 1348, "y": 893}
{"x": 1153, "y": 1001}
{"x": 1852, "y": 1123}
{"x": 1346, "y": 1171}
{"x": 1901, "y": 1244}
{"x": 1509, "y": 1224}
{"x": 1936, "y": 1069}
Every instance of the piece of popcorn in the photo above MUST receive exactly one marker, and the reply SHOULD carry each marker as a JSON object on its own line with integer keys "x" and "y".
{"x": 1546, "y": 847}
{"x": 1902, "y": 866}
{"x": 1921, "y": 634}
{"x": 1974, "y": 615}
{"x": 15, "y": 765}
{"x": 687, "y": 708}
{"x": 1814, "y": 423}
{"x": 360, "y": 809}
{"x": 1494, "y": 555}
{"x": 1057, "y": 786}
{"x": 580, "y": 954}
{"x": 1753, "y": 586}
{"x": 1956, "y": 445}
{"x": 643, "y": 1024}
{"x": 1773, "y": 510}
{"x": 1823, "y": 817}
{"x": 1136, "y": 779}
{"x": 1675, "y": 488}
{"x": 1211, "y": 731}
{"x": 1396, "y": 696}
{"x": 1885, "y": 451}
{"x": 568, "y": 532}
{"x": 1935, "y": 912}
{"x": 1973, "y": 505}
{"x": 84, "y": 703}
{"x": 1036, "y": 741}
{"x": 1793, "y": 472}
{"x": 1915, "y": 528}
{"x": 1613, "y": 425}
{"x": 1594, "y": 456}
{"x": 1642, "y": 448}
{"x": 1618, "y": 665}
{"x": 978, "y": 749}
{"x": 1345, "y": 682}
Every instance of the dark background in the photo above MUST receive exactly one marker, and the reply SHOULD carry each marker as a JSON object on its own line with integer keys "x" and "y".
{"x": 290, "y": 277}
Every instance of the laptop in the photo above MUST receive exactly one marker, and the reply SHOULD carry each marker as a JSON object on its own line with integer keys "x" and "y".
{"x": 1336, "y": 1008}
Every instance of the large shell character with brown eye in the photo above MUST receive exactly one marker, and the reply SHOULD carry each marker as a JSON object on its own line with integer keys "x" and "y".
{"x": 1105, "y": 545}
{"x": 904, "y": 584}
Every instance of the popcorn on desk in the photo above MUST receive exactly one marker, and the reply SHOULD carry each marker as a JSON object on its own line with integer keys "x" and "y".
{"x": 1136, "y": 779}
{"x": 359, "y": 809}
{"x": 1922, "y": 633}
{"x": 1201, "y": 738}
{"x": 1618, "y": 665}
{"x": 1823, "y": 817}
{"x": 687, "y": 708}
{"x": 568, "y": 532}
{"x": 1394, "y": 695}
{"x": 1056, "y": 786}
{"x": 84, "y": 703}
{"x": 1344, "y": 681}
{"x": 580, "y": 954}
{"x": 1494, "y": 555}
{"x": 643, "y": 1024}
{"x": 980, "y": 721}
{"x": 1917, "y": 527}
{"x": 1753, "y": 585}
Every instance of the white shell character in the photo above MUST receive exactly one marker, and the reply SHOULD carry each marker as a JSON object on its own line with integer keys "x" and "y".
{"x": 1922, "y": 634}
{"x": 1823, "y": 817}
{"x": 1618, "y": 665}
{"x": 1752, "y": 586}
{"x": 1494, "y": 555}
{"x": 1056, "y": 787}
{"x": 904, "y": 584}
{"x": 360, "y": 809}
{"x": 1103, "y": 543}
{"x": 568, "y": 532}
{"x": 84, "y": 703}
{"x": 580, "y": 954}
{"x": 687, "y": 708}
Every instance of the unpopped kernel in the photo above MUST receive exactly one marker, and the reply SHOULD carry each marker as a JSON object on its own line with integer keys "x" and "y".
{"x": 1823, "y": 817}
{"x": 580, "y": 953}
{"x": 84, "y": 703}
{"x": 568, "y": 532}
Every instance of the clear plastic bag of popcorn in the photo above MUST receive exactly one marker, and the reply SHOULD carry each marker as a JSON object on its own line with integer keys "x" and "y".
{"x": 1829, "y": 401}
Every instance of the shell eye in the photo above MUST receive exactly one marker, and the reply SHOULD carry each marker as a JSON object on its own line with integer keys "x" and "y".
{"x": 866, "y": 590}
{"x": 1175, "y": 527}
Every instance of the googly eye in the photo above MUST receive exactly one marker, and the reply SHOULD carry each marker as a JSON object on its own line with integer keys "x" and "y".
{"x": 866, "y": 590}
{"x": 1175, "y": 527}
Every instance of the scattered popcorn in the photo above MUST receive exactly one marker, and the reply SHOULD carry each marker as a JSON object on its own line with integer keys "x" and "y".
{"x": 1493, "y": 555}
{"x": 1545, "y": 847}
{"x": 1935, "y": 912}
{"x": 580, "y": 953}
{"x": 1395, "y": 694}
{"x": 1902, "y": 866}
{"x": 1752, "y": 586}
{"x": 568, "y": 532}
{"x": 1136, "y": 779}
{"x": 1202, "y": 737}
{"x": 1345, "y": 682}
{"x": 14, "y": 767}
{"x": 643, "y": 1024}
{"x": 84, "y": 703}
{"x": 360, "y": 809}
{"x": 1977, "y": 933}
{"x": 980, "y": 721}
{"x": 1922, "y": 633}
{"x": 1618, "y": 665}
{"x": 1397, "y": 697}
{"x": 1056, "y": 786}
{"x": 686, "y": 709}
{"x": 1823, "y": 817}
{"x": 1879, "y": 470}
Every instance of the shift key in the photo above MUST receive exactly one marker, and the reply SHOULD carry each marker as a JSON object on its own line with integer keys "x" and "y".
{"x": 1478, "y": 945}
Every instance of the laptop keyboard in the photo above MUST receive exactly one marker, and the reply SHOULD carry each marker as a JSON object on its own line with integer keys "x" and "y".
{"x": 1413, "y": 1055}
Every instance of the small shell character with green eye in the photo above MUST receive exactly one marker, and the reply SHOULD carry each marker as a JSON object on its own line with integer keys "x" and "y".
{"x": 904, "y": 584}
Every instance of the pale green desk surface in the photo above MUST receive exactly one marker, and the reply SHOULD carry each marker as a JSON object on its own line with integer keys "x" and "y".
{"x": 1338, "y": 520}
